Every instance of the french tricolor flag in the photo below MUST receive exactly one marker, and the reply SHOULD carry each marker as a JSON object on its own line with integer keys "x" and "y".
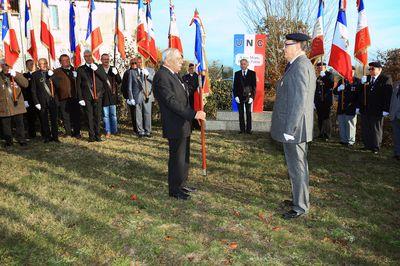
{"x": 317, "y": 45}
{"x": 9, "y": 37}
{"x": 120, "y": 38}
{"x": 29, "y": 32}
{"x": 141, "y": 31}
{"x": 151, "y": 36}
{"x": 45, "y": 31}
{"x": 74, "y": 34}
{"x": 363, "y": 40}
{"x": 93, "y": 34}
{"x": 340, "y": 58}
{"x": 173, "y": 36}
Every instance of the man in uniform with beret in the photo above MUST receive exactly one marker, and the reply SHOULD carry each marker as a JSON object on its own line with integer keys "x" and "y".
{"x": 292, "y": 119}
{"x": 373, "y": 105}
{"x": 347, "y": 94}
{"x": 323, "y": 100}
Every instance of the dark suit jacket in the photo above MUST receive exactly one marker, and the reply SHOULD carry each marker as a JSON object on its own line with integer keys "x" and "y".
{"x": 173, "y": 98}
{"x": 378, "y": 96}
{"x": 39, "y": 93}
{"x": 28, "y": 91}
{"x": 84, "y": 82}
{"x": 192, "y": 82}
{"x": 240, "y": 82}
{"x": 65, "y": 85}
{"x": 323, "y": 99}
{"x": 111, "y": 93}
{"x": 347, "y": 104}
{"x": 125, "y": 84}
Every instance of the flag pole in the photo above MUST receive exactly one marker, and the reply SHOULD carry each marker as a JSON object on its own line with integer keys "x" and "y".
{"x": 22, "y": 40}
{"x": 115, "y": 30}
{"x": 202, "y": 126}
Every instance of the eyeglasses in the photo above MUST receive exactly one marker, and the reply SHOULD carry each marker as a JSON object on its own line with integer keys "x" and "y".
{"x": 371, "y": 68}
{"x": 289, "y": 44}
{"x": 134, "y": 63}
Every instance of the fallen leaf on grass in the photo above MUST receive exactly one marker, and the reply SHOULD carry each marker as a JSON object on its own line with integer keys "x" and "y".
{"x": 168, "y": 238}
{"x": 262, "y": 217}
{"x": 276, "y": 228}
{"x": 134, "y": 197}
{"x": 224, "y": 241}
{"x": 233, "y": 245}
{"x": 236, "y": 213}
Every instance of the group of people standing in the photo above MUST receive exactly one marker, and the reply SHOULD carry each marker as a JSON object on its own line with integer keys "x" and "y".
{"x": 63, "y": 94}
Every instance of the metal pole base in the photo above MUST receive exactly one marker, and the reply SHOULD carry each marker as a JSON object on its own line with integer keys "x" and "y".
{"x": 204, "y": 172}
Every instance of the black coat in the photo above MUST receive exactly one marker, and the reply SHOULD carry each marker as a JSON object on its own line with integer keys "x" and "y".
{"x": 323, "y": 98}
{"x": 240, "y": 83}
{"x": 173, "y": 98}
{"x": 84, "y": 82}
{"x": 192, "y": 82}
{"x": 39, "y": 92}
{"x": 351, "y": 94}
{"x": 125, "y": 84}
{"x": 111, "y": 93}
{"x": 28, "y": 91}
{"x": 374, "y": 99}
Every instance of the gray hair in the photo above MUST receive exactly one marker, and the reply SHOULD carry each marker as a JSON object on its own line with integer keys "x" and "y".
{"x": 87, "y": 51}
{"x": 170, "y": 56}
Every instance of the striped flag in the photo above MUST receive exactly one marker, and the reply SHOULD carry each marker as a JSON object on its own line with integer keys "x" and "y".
{"x": 141, "y": 31}
{"x": 340, "y": 58}
{"x": 120, "y": 38}
{"x": 151, "y": 37}
{"x": 9, "y": 37}
{"x": 363, "y": 40}
{"x": 74, "y": 34}
{"x": 93, "y": 34}
{"x": 45, "y": 31}
{"x": 317, "y": 45}
{"x": 200, "y": 54}
{"x": 29, "y": 32}
{"x": 173, "y": 35}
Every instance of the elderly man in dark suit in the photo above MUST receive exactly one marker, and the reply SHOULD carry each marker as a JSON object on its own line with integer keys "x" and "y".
{"x": 176, "y": 117}
{"x": 244, "y": 89}
{"x": 91, "y": 84}
{"x": 292, "y": 119}
{"x": 32, "y": 114}
{"x": 373, "y": 105}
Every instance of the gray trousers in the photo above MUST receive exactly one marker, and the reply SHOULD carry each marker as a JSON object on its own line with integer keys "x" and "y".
{"x": 347, "y": 128}
{"x": 143, "y": 117}
{"x": 372, "y": 131}
{"x": 297, "y": 164}
{"x": 396, "y": 136}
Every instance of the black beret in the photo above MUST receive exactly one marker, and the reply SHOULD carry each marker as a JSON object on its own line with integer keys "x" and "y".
{"x": 375, "y": 64}
{"x": 298, "y": 37}
{"x": 321, "y": 64}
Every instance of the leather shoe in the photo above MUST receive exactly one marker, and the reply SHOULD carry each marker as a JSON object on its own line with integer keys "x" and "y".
{"x": 189, "y": 189}
{"x": 291, "y": 215}
{"x": 179, "y": 195}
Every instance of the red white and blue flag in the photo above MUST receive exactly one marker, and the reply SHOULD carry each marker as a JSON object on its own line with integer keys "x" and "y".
{"x": 174, "y": 41}
{"x": 145, "y": 33}
{"x": 29, "y": 32}
{"x": 45, "y": 31}
{"x": 363, "y": 40}
{"x": 74, "y": 34}
{"x": 93, "y": 35}
{"x": 317, "y": 45}
{"x": 9, "y": 37}
{"x": 120, "y": 38}
{"x": 340, "y": 58}
{"x": 200, "y": 54}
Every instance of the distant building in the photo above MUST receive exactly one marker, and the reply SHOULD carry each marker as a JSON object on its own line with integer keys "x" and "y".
{"x": 59, "y": 10}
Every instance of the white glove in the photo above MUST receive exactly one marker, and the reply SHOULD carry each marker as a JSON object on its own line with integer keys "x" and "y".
{"x": 114, "y": 71}
{"x": 26, "y": 104}
{"x": 93, "y": 66}
{"x": 322, "y": 74}
{"x": 38, "y": 106}
{"x": 133, "y": 102}
{"x": 340, "y": 88}
{"x": 13, "y": 73}
{"x": 50, "y": 72}
{"x": 145, "y": 72}
{"x": 364, "y": 79}
{"x": 288, "y": 137}
{"x": 74, "y": 74}
{"x": 357, "y": 111}
{"x": 385, "y": 114}
{"x": 250, "y": 100}
{"x": 237, "y": 99}
{"x": 82, "y": 103}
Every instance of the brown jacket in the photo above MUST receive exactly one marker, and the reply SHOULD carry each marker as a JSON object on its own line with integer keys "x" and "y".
{"x": 7, "y": 105}
{"x": 65, "y": 83}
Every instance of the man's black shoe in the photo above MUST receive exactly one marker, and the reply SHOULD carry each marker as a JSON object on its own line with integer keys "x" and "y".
{"x": 7, "y": 144}
{"x": 98, "y": 139}
{"x": 291, "y": 215}
{"x": 46, "y": 140}
{"x": 55, "y": 140}
{"x": 189, "y": 189}
{"x": 241, "y": 132}
{"x": 23, "y": 144}
{"x": 249, "y": 132}
{"x": 396, "y": 157}
{"x": 179, "y": 195}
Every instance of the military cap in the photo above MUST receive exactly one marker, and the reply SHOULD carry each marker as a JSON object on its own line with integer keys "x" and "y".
{"x": 298, "y": 37}
{"x": 376, "y": 64}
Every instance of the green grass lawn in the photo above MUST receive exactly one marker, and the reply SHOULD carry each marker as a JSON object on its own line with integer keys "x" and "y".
{"x": 71, "y": 204}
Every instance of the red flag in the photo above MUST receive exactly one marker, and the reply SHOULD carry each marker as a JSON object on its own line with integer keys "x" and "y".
{"x": 118, "y": 31}
{"x": 9, "y": 37}
{"x": 45, "y": 33}
{"x": 363, "y": 40}
{"x": 317, "y": 45}
{"x": 173, "y": 35}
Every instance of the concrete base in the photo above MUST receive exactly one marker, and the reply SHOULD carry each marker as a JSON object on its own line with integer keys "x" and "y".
{"x": 229, "y": 121}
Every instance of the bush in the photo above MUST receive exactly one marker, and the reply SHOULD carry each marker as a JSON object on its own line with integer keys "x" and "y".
{"x": 220, "y": 97}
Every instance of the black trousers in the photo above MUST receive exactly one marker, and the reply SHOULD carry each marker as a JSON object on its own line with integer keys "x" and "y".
{"x": 372, "y": 131}
{"x": 132, "y": 110}
{"x": 241, "y": 107}
{"x": 71, "y": 116}
{"x": 6, "y": 123}
{"x": 324, "y": 122}
{"x": 30, "y": 117}
{"x": 49, "y": 112}
{"x": 93, "y": 115}
{"x": 178, "y": 163}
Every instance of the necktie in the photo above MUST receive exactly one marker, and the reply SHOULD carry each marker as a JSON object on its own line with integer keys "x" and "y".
{"x": 372, "y": 80}
{"x": 244, "y": 73}
{"x": 287, "y": 67}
